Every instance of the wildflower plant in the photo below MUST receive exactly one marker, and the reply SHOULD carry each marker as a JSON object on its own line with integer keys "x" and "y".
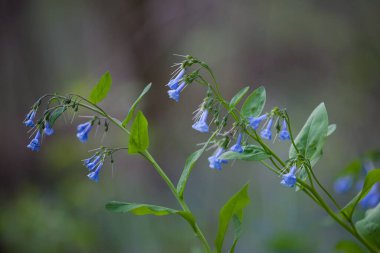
{"x": 246, "y": 137}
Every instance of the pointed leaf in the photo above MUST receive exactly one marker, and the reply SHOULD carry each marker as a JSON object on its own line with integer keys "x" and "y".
{"x": 346, "y": 246}
{"x": 238, "y": 97}
{"x": 256, "y": 155}
{"x": 132, "y": 109}
{"x": 237, "y": 221}
{"x": 56, "y": 114}
{"x": 234, "y": 206}
{"x": 369, "y": 227}
{"x": 254, "y": 104}
{"x": 331, "y": 129}
{"x": 101, "y": 89}
{"x": 139, "y": 138}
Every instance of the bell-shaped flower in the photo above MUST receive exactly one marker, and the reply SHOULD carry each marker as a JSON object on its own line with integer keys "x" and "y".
{"x": 48, "y": 130}
{"x": 254, "y": 122}
{"x": 29, "y": 119}
{"x": 94, "y": 175}
{"x": 237, "y": 147}
{"x": 289, "y": 179}
{"x": 343, "y": 184}
{"x": 174, "y": 94}
{"x": 83, "y": 130}
{"x": 174, "y": 83}
{"x": 372, "y": 199}
{"x": 91, "y": 162}
{"x": 266, "y": 132}
{"x": 34, "y": 145}
{"x": 284, "y": 133}
{"x": 201, "y": 125}
{"x": 215, "y": 162}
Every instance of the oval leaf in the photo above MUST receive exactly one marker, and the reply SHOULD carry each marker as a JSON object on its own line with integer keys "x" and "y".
{"x": 139, "y": 138}
{"x": 56, "y": 114}
{"x": 254, "y": 104}
{"x": 238, "y": 97}
{"x": 234, "y": 206}
{"x": 256, "y": 155}
{"x": 369, "y": 227}
{"x": 101, "y": 89}
{"x": 132, "y": 109}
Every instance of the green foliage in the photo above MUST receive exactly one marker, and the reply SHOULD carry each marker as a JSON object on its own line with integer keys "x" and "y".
{"x": 238, "y": 97}
{"x": 237, "y": 220}
{"x": 346, "y": 246}
{"x": 139, "y": 138}
{"x": 55, "y": 115}
{"x": 372, "y": 177}
{"x": 134, "y": 105}
{"x": 101, "y": 89}
{"x": 312, "y": 136}
{"x": 369, "y": 227}
{"x": 254, "y": 104}
{"x": 233, "y": 207}
{"x": 251, "y": 153}
{"x": 331, "y": 129}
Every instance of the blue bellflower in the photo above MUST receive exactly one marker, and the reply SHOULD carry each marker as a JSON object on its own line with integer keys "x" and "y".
{"x": 94, "y": 175}
{"x": 284, "y": 133}
{"x": 343, "y": 184}
{"x": 173, "y": 83}
{"x": 48, "y": 130}
{"x": 35, "y": 145}
{"x": 372, "y": 199}
{"x": 174, "y": 94}
{"x": 254, "y": 122}
{"x": 237, "y": 147}
{"x": 201, "y": 125}
{"x": 92, "y": 163}
{"x": 266, "y": 132}
{"x": 83, "y": 130}
{"x": 29, "y": 119}
{"x": 215, "y": 162}
{"x": 289, "y": 179}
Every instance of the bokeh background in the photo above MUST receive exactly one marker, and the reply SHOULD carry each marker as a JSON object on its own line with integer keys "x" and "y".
{"x": 303, "y": 52}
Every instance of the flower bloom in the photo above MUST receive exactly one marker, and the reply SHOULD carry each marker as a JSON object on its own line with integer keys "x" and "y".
{"x": 343, "y": 184}
{"x": 34, "y": 145}
{"x": 48, "y": 130}
{"x": 372, "y": 199}
{"x": 284, "y": 133}
{"x": 266, "y": 132}
{"x": 94, "y": 175}
{"x": 174, "y": 94}
{"x": 201, "y": 125}
{"x": 91, "y": 162}
{"x": 173, "y": 83}
{"x": 254, "y": 122}
{"x": 215, "y": 162}
{"x": 289, "y": 179}
{"x": 237, "y": 147}
{"x": 83, "y": 130}
{"x": 29, "y": 119}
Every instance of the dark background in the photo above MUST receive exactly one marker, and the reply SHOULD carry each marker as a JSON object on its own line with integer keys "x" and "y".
{"x": 303, "y": 52}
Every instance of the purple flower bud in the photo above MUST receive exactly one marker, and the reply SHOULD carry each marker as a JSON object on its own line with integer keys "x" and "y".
{"x": 174, "y": 94}
{"x": 29, "y": 119}
{"x": 289, "y": 179}
{"x": 48, "y": 130}
{"x": 266, "y": 132}
{"x": 83, "y": 130}
{"x": 215, "y": 162}
{"x": 255, "y": 122}
{"x": 237, "y": 147}
{"x": 34, "y": 145}
{"x": 94, "y": 175}
{"x": 284, "y": 133}
{"x": 201, "y": 125}
{"x": 173, "y": 83}
{"x": 343, "y": 184}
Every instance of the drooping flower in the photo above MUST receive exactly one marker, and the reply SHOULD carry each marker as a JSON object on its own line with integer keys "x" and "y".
{"x": 237, "y": 147}
{"x": 215, "y": 162}
{"x": 173, "y": 83}
{"x": 48, "y": 130}
{"x": 201, "y": 125}
{"x": 94, "y": 175}
{"x": 372, "y": 199}
{"x": 289, "y": 179}
{"x": 83, "y": 130}
{"x": 343, "y": 184}
{"x": 29, "y": 119}
{"x": 266, "y": 132}
{"x": 174, "y": 94}
{"x": 254, "y": 122}
{"x": 91, "y": 162}
{"x": 35, "y": 145}
{"x": 284, "y": 133}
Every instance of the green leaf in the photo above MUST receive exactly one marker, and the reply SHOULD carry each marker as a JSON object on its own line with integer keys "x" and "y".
{"x": 132, "y": 110}
{"x": 372, "y": 177}
{"x": 237, "y": 221}
{"x": 346, "y": 246}
{"x": 56, "y": 114}
{"x": 146, "y": 209}
{"x": 312, "y": 136}
{"x": 247, "y": 155}
{"x": 254, "y": 104}
{"x": 238, "y": 97}
{"x": 369, "y": 227}
{"x": 331, "y": 129}
{"x": 101, "y": 89}
{"x": 189, "y": 164}
{"x": 139, "y": 138}
{"x": 234, "y": 206}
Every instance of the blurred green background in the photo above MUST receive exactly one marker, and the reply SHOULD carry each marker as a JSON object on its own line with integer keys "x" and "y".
{"x": 303, "y": 52}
